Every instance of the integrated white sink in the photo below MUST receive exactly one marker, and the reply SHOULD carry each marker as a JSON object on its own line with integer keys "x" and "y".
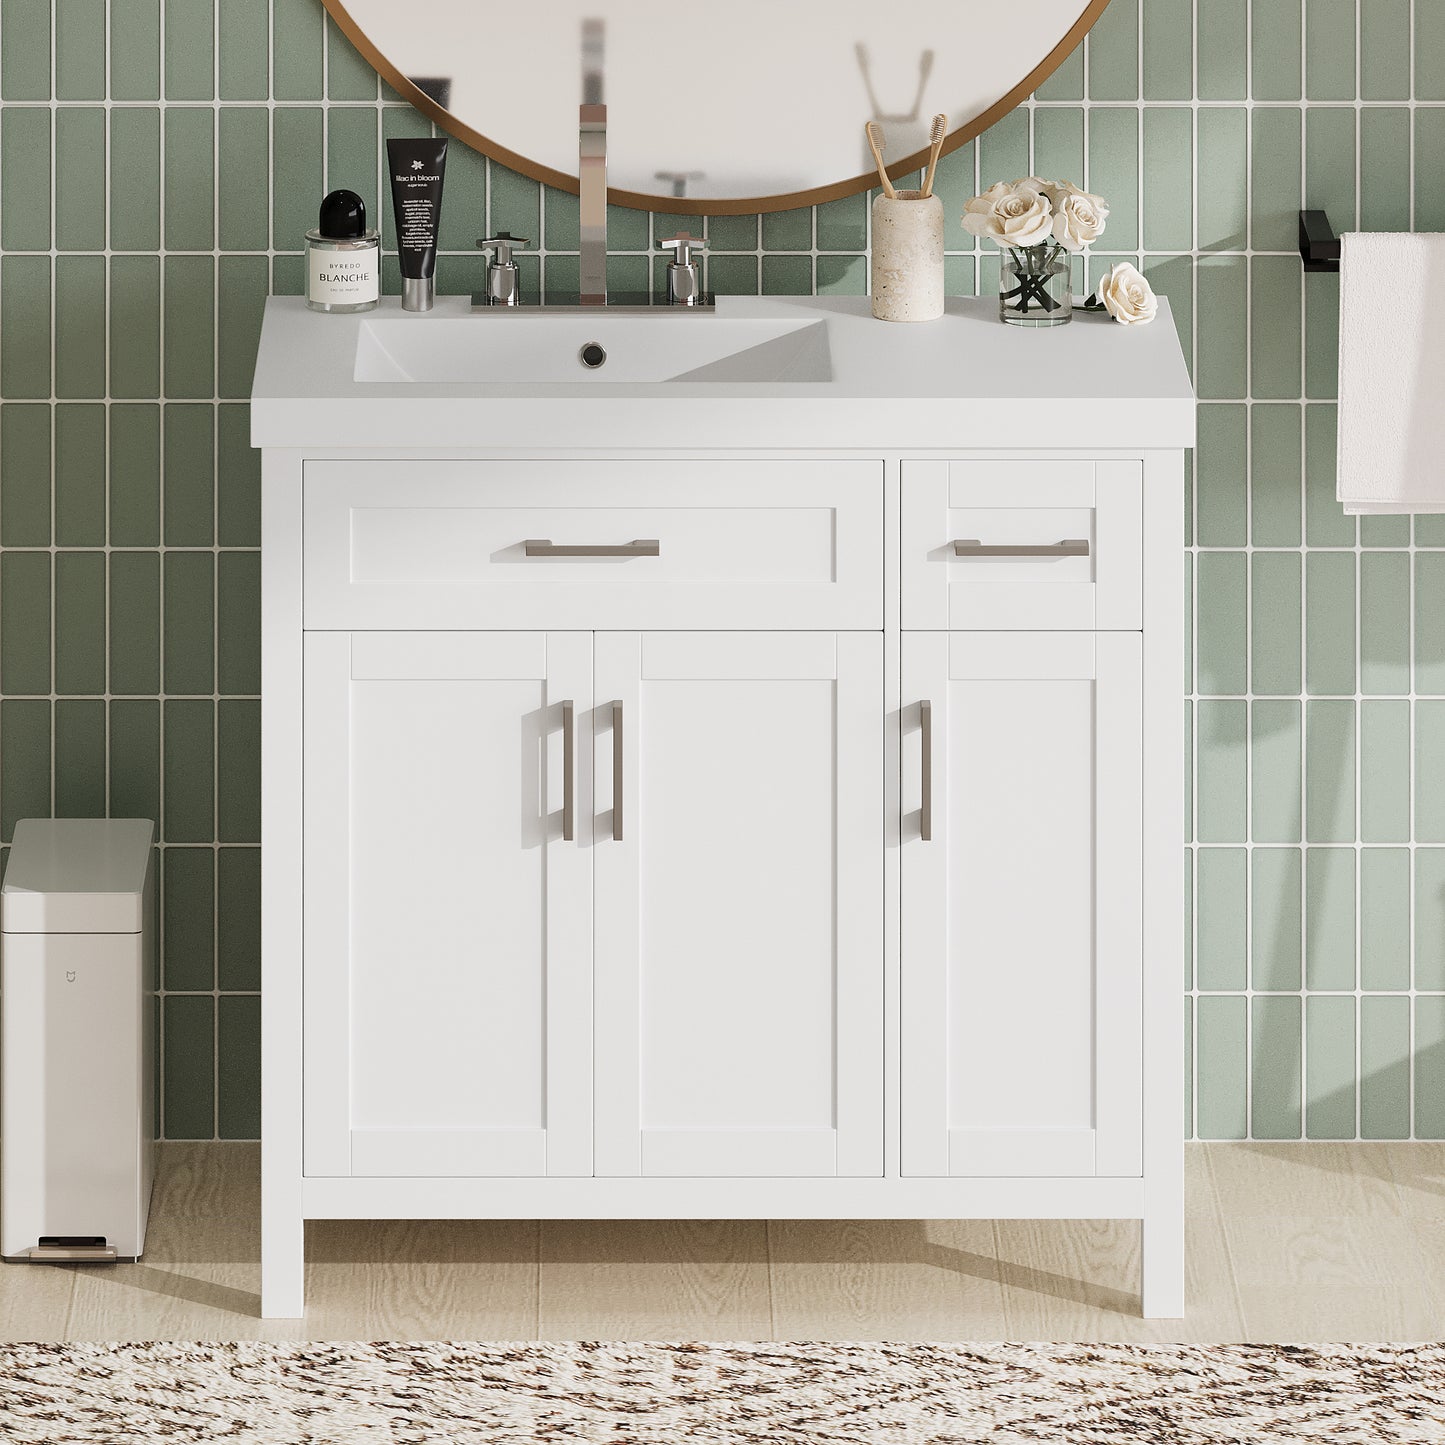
{"x": 531, "y": 348}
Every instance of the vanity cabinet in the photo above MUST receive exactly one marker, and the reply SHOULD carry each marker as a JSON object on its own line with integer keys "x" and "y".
{"x": 746, "y": 800}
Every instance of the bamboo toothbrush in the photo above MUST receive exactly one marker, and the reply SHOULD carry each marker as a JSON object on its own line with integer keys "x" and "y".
{"x": 935, "y": 144}
{"x": 875, "y": 143}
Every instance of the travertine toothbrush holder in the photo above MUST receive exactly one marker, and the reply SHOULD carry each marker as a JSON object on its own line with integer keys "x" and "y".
{"x": 907, "y": 270}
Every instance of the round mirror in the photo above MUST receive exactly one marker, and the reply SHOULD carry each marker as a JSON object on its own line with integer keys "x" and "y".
{"x": 749, "y": 105}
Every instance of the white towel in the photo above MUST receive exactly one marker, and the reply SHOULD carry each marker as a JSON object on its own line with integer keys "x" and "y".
{"x": 1391, "y": 455}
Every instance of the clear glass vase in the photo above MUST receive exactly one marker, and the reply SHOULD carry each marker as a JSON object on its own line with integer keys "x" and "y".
{"x": 1035, "y": 287}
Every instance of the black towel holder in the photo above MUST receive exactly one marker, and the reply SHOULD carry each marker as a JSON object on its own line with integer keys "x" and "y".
{"x": 1319, "y": 247}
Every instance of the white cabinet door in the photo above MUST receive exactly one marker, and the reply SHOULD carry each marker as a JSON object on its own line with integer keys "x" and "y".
{"x": 739, "y": 903}
{"x": 448, "y": 943}
{"x": 1022, "y": 904}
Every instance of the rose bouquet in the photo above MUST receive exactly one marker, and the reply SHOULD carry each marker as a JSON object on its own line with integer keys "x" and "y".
{"x": 1039, "y": 224}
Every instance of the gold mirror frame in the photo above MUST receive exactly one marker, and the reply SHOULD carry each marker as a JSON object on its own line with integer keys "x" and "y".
{"x": 687, "y": 205}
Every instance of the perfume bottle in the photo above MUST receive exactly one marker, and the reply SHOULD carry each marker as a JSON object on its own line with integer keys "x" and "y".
{"x": 343, "y": 258}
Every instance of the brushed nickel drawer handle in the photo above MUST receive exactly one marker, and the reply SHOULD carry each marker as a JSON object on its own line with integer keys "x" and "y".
{"x": 617, "y": 772}
{"x": 545, "y": 547}
{"x": 569, "y": 776}
{"x": 1069, "y": 547}
{"x": 925, "y": 813}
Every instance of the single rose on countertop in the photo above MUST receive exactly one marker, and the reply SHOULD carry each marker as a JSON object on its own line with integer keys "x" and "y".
{"x": 1126, "y": 295}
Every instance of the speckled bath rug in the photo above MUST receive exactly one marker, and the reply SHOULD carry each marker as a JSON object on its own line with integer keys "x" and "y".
{"x": 721, "y": 1394}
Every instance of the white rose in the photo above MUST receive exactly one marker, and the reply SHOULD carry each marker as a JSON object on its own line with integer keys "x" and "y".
{"x": 1126, "y": 295}
{"x": 1012, "y": 215}
{"x": 1078, "y": 216}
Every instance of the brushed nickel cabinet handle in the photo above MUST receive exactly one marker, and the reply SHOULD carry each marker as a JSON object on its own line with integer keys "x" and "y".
{"x": 617, "y": 772}
{"x": 545, "y": 547}
{"x": 1069, "y": 547}
{"x": 925, "y": 812}
{"x": 569, "y": 773}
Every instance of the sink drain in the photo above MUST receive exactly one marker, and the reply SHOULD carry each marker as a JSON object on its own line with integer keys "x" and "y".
{"x": 592, "y": 355}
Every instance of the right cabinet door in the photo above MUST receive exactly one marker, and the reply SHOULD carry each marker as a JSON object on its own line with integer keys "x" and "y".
{"x": 1022, "y": 873}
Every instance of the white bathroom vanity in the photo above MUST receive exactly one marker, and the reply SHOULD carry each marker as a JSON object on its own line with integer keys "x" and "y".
{"x": 745, "y": 779}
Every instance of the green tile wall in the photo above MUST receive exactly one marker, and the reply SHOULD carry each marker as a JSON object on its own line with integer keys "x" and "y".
{"x": 159, "y": 161}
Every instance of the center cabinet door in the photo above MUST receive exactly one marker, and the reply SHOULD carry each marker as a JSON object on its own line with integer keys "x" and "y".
{"x": 1022, "y": 904}
{"x": 448, "y": 914}
{"x": 738, "y": 862}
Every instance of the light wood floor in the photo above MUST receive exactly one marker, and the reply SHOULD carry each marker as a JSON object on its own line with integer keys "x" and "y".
{"x": 1306, "y": 1242}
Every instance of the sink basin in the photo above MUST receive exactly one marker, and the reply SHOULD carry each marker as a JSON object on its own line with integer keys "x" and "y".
{"x": 521, "y": 348}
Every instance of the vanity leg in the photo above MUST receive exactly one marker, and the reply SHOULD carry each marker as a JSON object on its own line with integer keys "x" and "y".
{"x": 283, "y": 1266}
{"x": 1163, "y": 1285}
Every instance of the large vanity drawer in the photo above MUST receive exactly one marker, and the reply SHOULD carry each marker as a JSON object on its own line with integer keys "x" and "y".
{"x": 593, "y": 544}
{"x": 1023, "y": 545}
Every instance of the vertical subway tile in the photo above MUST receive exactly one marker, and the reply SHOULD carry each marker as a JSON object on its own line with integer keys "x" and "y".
{"x": 1385, "y": 169}
{"x": 245, "y": 169}
{"x": 135, "y": 623}
{"x": 1330, "y": 771}
{"x": 189, "y": 1077}
{"x": 243, "y": 48}
{"x": 1385, "y": 771}
{"x": 1276, "y": 185}
{"x": 189, "y": 622}
{"x": 80, "y": 476}
{"x": 297, "y": 172}
{"x": 189, "y": 895}
{"x": 1430, "y": 622}
{"x": 1330, "y": 623}
{"x": 24, "y": 622}
{"x": 1384, "y": 918}
{"x": 516, "y": 203}
{"x": 1168, "y": 179}
{"x": 25, "y": 205}
{"x": 1223, "y": 47}
{"x": 1330, "y": 1067}
{"x": 238, "y": 1068}
{"x": 80, "y": 758}
{"x": 1222, "y": 1049}
{"x": 189, "y": 475}
{"x": 1326, "y": 524}
{"x": 189, "y": 325}
{"x": 1221, "y": 472}
{"x": 135, "y": 49}
{"x": 1276, "y": 928}
{"x": 1384, "y": 1068}
{"x": 1275, "y": 1060}
{"x": 1384, "y": 622}
{"x": 1430, "y": 771}
{"x": 1222, "y": 613}
{"x": 1275, "y": 623}
{"x": 241, "y": 303}
{"x": 238, "y": 918}
{"x": 1003, "y": 149}
{"x": 1385, "y": 49}
{"x": 1058, "y": 149}
{"x": 1429, "y": 52}
{"x": 190, "y": 770}
{"x": 1330, "y": 918}
{"x": 1222, "y": 282}
{"x": 24, "y": 762}
{"x": 25, "y": 346}
{"x": 1430, "y": 168}
{"x": 239, "y": 786}
{"x": 1275, "y": 58}
{"x": 79, "y": 342}
{"x": 1322, "y": 335}
{"x": 348, "y": 75}
{"x": 1275, "y": 475}
{"x": 135, "y": 475}
{"x": 1330, "y": 50}
{"x": 238, "y": 588}
{"x": 297, "y": 52}
{"x": 1114, "y": 170}
{"x": 1330, "y": 163}
{"x": 1385, "y": 531}
{"x": 1168, "y": 50}
{"x": 1275, "y": 305}
{"x": 1223, "y": 179}
{"x": 1221, "y": 953}
{"x": 135, "y": 758}
{"x": 80, "y": 623}
{"x": 1220, "y": 767}
{"x": 80, "y": 50}
{"x": 351, "y": 155}
{"x": 189, "y": 58}
{"x": 190, "y": 180}
{"x": 1276, "y": 746}
{"x": 1430, "y": 919}
{"x": 135, "y": 329}
{"x": 1429, "y": 1068}
{"x": 135, "y": 178}
{"x": 1113, "y": 54}
{"x": 25, "y": 475}
{"x": 25, "y": 50}
{"x": 238, "y": 479}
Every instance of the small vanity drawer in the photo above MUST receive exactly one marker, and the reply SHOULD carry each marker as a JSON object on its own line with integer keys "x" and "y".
{"x": 593, "y": 545}
{"x": 1023, "y": 545}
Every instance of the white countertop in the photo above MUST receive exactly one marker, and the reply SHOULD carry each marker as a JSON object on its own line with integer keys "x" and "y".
{"x": 965, "y": 380}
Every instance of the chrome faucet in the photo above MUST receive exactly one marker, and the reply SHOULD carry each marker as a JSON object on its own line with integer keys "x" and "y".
{"x": 592, "y": 172}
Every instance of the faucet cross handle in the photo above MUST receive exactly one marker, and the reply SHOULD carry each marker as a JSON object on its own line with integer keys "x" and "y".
{"x": 683, "y": 244}
{"x": 503, "y": 243}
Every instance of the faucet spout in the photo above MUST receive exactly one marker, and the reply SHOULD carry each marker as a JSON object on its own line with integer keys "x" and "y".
{"x": 592, "y": 202}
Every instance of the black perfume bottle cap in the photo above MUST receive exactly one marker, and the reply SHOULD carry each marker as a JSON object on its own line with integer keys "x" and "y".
{"x": 343, "y": 216}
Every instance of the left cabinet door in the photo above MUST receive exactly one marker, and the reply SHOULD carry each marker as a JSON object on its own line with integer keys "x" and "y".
{"x": 448, "y": 904}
